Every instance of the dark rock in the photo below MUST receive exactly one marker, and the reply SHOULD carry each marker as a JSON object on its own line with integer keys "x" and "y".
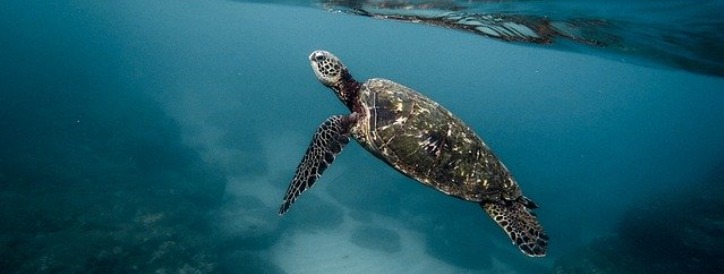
{"x": 453, "y": 242}
{"x": 246, "y": 223}
{"x": 248, "y": 262}
{"x": 369, "y": 187}
{"x": 360, "y": 216}
{"x": 312, "y": 214}
{"x": 376, "y": 238}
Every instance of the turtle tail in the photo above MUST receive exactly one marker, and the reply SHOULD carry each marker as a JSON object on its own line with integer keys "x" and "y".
{"x": 521, "y": 225}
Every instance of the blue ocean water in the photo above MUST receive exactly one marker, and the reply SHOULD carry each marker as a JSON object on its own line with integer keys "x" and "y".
{"x": 160, "y": 136}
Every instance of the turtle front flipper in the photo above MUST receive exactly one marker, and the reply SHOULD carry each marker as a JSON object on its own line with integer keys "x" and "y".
{"x": 521, "y": 225}
{"x": 328, "y": 141}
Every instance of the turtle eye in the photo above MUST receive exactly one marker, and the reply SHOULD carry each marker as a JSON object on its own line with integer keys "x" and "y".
{"x": 319, "y": 57}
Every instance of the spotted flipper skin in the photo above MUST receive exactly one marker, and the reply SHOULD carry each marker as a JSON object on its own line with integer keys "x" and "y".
{"x": 521, "y": 225}
{"x": 328, "y": 141}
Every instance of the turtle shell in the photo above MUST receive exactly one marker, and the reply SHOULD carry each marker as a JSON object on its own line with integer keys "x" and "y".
{"x": 426, "y": 142}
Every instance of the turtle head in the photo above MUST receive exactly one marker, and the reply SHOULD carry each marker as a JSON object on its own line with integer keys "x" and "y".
{"x": 333, "y": 74}
{"x": 328, "y": 68}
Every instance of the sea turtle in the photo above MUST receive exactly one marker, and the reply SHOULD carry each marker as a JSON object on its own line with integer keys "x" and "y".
{"x": 423, "y": 141}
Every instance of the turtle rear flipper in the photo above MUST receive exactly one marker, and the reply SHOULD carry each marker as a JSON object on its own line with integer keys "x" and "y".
{"x": 520, "y": 224}
{"x": 327, "y": 142}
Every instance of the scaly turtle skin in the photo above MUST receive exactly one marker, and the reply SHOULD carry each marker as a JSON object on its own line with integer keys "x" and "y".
{"x": 423, "y": 141}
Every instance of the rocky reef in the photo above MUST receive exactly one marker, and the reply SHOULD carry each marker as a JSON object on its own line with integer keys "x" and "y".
{"x": 678, "y": 231}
